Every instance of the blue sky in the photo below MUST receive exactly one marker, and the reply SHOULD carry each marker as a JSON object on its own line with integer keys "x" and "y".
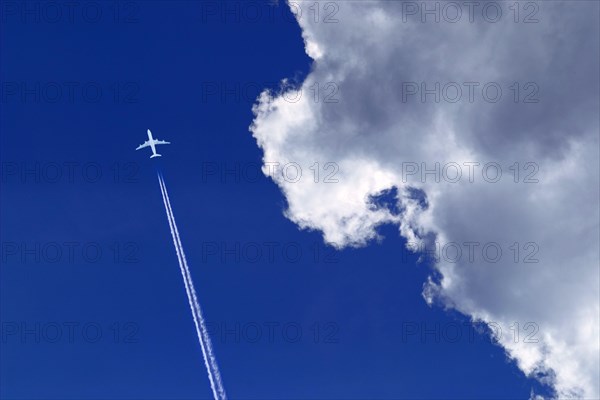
{"x": 154, "y": 71}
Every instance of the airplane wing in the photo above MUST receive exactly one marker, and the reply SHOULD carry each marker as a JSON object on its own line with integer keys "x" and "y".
{"x": 161, "y": 142}
{"x": 145, "y": 144}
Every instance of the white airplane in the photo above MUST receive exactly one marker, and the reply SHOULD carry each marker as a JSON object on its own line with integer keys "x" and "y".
{"x": 152, "y": 143}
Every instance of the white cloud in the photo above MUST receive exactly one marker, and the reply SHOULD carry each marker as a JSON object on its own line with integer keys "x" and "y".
{"x": 376, "y": 131}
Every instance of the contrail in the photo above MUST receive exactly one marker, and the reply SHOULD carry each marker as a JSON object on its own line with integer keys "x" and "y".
{"x": 210, "y": 360}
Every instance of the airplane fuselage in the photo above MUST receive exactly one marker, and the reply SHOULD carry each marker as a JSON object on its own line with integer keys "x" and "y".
{"x": 152, "y": 145}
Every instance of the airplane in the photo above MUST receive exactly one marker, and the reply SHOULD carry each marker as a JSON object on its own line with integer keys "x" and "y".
{"x": 152, "y": 143}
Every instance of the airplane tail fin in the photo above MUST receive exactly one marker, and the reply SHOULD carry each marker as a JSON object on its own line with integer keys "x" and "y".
{"x": 155, "y": 155}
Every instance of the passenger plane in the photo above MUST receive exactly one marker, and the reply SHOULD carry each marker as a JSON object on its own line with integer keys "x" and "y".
{"x": 152, "y": 143}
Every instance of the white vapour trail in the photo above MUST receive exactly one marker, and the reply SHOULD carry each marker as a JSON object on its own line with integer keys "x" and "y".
{"x": 187, "y": 288}
{"x": 210, "y": 361}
